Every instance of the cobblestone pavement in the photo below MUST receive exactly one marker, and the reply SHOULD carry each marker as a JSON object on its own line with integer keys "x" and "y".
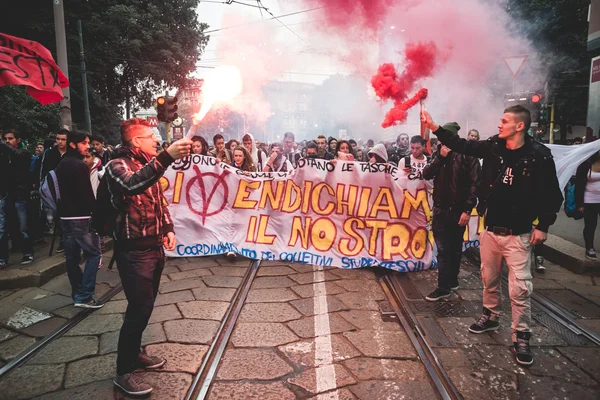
{"x": 303, "y": 333}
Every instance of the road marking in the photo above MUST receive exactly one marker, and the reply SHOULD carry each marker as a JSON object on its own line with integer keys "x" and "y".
{"x": 325, "y": 371}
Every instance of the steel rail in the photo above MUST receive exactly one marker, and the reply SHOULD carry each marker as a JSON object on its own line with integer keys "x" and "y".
{"x": 26, "y": 354}
{"x": 206, "y": 374}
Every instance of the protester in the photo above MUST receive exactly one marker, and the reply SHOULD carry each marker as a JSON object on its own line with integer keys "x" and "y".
{"x": 199, "y": 145}
{"x": 143, "y": 227}
{"x": 577, "y": 140}
{"x": 473, "y": 134}
{"x": 290, "y": 149}
{"x": 322, "y": 148}
{"x": 400, "y": 149}
{"x": 359, "y": 155}
{"x": 343, "y": 151}
{"x": 277, "y": 162}
{"x": 332, "y": 144}
{"x": 518, "y": 185}
{"x": 414, "y": 163}
{"x": 259, "y": 157}
{"x": 378, "y": 154}
{"x": 587, "y": 199}
{"x": 434, "y": 145}
{"x": 243, "y": 160}
{"x": 232, "y": 144}
{"x": 312, "y": 150}
{"x": 455, "y": 179}
{"x": 15, "y": 188}
{"x": 75, "y": 208}
{"x": 220, "y": 151}
{"x": 96, "y": 171}
{"x": 100, "y": 151}
{"x": 165, "y": 145}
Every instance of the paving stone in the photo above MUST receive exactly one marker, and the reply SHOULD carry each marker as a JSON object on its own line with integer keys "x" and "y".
{"x": 302, "y": 353}
{"x": 354, "y": 273}
{"x": 307, "y": 380}
{"x": 252, "y": 364}
{"x": 97, "y": 324}
{"x": 361, "y": 301}
{"x": 541, "y": 387}
{"x": 170, "y": 270}
{"x": 90, "y": 370}
{"x": 164, "y": 279}
{"x": 168, "y": 385}
{"x": 67, "y": 311}
{"x": 193, "y": 273}
{"x": 457, "y": 329}
{"x": 453, "y": 358}
{"x": 165, "y": 313}
{"x": 234, "y": 261}
{"x": 268, "y": 312}
{"x": 175, "y": 286}
{"x": 250, "y": 391}
{"x": 25, "y": 317}
{"x": 7, "y": 310}
{"x": 5, "y": 334}
{"x": 102, "y": 390}
{"x": 109, "y": 277}
{"x": 214, "y": 294}
{"x": 550, "y": 363}
{"x": 45, "y": 327}
{"x": 322, "y": 289}
{"x": 393, "y": 390}
{"x": 180, "y": 357}
{"x": 40, "y": 379}
{"x": 542, "y": 336}
{"x": 23, "y": 296}
{"x": 366, "y": 369}
{"x": 340, "y": 394}
{"x": 198, "y": 265}
{"x": 584, "y": 358}
{"x": 174, "y": 297}
{"x": 229, "y": 271}
{"x": 274, "y": 271}
{"x": 305, "y": 327}
{"x": 60, "y": 285}
{"x": 470, "y": 295}
{"x": 307, "y": 306}
{"x": 382, "y": 344}
{"x": 191, "y": 331}
{"x": 369, "y": 320}
{"x": 108, "y": 342}
{"x": 6, "y": 293}
{"x": 50, "y": 303}
{"x": 262, "y": 335}
{"x": 67, "y": 349}
{"x": 355, "y": 285}
{"x": 270, "y": 295}
{"x": 470, "y": 384}
{"x": 222, "y": 281}
{"x": 153, "y": 333}
{"x": 302, "y": 268}
{"x": 113, "y": 307}
{"x": 120, "y": 296}
{"x": 311, "y": 277}
{"x": 272, "y": 282}
{"x": 11, "y": 348}
{"x": 203, "y": 309}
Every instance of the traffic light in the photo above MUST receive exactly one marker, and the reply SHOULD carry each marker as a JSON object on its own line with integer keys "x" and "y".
{"x": 530, "y": 100}
{"x": 161, "y": 109}
{"x": 172, "y": 108}
{"x": 535, "y": 109}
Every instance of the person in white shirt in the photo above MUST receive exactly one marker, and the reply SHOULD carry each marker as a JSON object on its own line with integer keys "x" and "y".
{"x": 96, "y": 170}
{"x": 414, "y": 164}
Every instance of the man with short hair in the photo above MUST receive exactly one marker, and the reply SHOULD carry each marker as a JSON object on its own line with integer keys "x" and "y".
{"x": 100, "y": 151}
{"x": 276, "y": 161}
{"x": 400, "y": 150}
{"x": 312, "y": 150}
{"x": 417, "y": 160}
{"x": 15, "y": 190}
{"x": 518, "y": 185}
{"x": 143, "y": 227}
{"x": 289, "y": 151}
{"x": 75, "y": 210}
{"x": 220, "y": 151}
{"x": 322, "y": 148}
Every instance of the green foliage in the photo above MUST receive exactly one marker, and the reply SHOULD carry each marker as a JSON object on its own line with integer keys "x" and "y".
{"x": 133, "y": 49}
{"x": 20, "y": 111}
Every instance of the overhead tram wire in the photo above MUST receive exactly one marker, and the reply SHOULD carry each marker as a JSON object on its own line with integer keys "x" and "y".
{"x": 281, "y": 22}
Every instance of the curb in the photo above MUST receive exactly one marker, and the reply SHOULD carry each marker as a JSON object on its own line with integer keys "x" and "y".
{"x": 39, "y": 273}
{"x": 569, "y": 255}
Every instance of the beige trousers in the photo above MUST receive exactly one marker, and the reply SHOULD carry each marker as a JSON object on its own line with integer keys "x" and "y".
{"x": 517, "y": 251}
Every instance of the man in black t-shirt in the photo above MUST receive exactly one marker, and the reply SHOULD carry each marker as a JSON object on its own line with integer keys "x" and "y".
{"x": 518, "y": 185}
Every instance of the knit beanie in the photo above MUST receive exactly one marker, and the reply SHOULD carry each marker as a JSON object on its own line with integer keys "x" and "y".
{"x": 452, "y": 127}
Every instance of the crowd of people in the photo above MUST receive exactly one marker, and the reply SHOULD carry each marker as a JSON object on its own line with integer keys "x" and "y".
{"x": 515, "y": 185}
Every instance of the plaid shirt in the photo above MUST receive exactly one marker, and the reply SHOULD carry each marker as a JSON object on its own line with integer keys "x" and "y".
{"x": 134, "y": 185}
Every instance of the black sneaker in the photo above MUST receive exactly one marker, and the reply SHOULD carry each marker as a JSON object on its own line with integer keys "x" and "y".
{"x": 591, "y": 254}
{"x": 485, "y": 323}
{"x": 146, "y": 361}
{"x": 91, "y": 303}
{"x": 27, "y": 259}
{"x": 3, "y": 264}
{"x": 438, "y": 294}
{"x": 539, "y": 264}
{"x": 60, "y": 248}
{"x": 521, "y": 349}
{"x": 131, "y": 384}
{"x": 456, "y": 286}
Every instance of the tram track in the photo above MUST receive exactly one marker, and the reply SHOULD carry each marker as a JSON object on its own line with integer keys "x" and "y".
{"x": 27, "y": 354}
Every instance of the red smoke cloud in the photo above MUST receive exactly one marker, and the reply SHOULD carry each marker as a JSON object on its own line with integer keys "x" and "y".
{"x": 421, "y": 59}
{"x": 346, "y": 13}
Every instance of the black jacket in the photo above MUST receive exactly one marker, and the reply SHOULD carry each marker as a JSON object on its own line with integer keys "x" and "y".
{"x": 455, "y": 180}
{"x": 581, "y": 180}
{"x": 76, "y": 195}
{"x": 15, "y": 177}
{"x": 50, "y": 160}
{"x": 395, "y": 154}
{"x": 536, "y": 182}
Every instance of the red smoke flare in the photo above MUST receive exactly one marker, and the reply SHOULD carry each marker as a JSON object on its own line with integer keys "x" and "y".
{"x": 388, "y": 85}
{"x": 368, "y": 14}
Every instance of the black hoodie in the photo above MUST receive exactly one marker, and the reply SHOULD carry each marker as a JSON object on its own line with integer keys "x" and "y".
{"x": 76, "y": 195}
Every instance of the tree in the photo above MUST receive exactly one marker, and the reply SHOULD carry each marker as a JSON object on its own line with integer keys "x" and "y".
{"x": 558, "y": 29}
{"x": 20, "y": 111}
{"x": 134, "y": 49}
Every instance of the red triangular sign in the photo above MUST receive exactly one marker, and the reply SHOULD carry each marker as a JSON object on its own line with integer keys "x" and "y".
{"x": 515, "y": 64}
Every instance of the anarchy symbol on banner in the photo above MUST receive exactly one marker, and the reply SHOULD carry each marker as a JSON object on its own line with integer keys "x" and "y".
{"x": 207, "y": 200}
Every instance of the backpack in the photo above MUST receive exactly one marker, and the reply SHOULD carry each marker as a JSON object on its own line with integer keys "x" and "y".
{"x": 50, "y": 192}
{"x": 104, "y": 217}
{"x": 570, "y": 206}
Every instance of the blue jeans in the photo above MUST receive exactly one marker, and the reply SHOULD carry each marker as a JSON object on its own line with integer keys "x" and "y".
{"x": 78, "y": 236}
{"x": 9, "y": 205}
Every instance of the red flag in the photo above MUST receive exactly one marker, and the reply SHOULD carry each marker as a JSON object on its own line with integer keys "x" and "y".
{"x": 28, "y": 63}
